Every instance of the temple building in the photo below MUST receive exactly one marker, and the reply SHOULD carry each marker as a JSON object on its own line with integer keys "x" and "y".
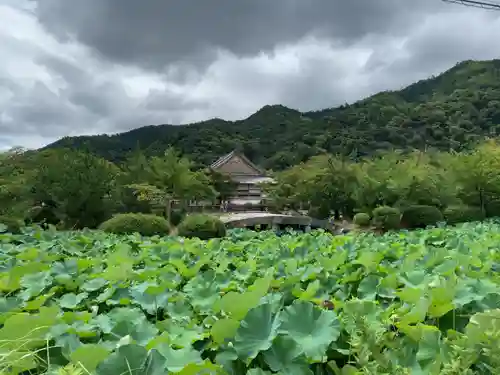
{"x": 247, "y": 176}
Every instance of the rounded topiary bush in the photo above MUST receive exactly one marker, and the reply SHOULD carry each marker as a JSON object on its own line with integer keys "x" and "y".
{"x": 362, "y": 219}
{"x": 11, "y": 225}
{"x": 201, "y": 226}
{"x": 463, "y": 213}
{"x": 145, "y": 224}
{"x": 420, "y": 216}
{"x": 386, "y": 218}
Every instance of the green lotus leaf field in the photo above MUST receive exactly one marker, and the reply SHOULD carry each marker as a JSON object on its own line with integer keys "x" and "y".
{"x": 425, "y": 302}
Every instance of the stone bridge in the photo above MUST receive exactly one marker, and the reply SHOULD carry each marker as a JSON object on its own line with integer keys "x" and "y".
{"x": 267, "y": 220}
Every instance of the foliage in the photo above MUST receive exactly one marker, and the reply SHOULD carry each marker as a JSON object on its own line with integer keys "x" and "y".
{"x": 395, "y": 179}
{"x": 201, "y": 226}
{"x": 421, "y": 216}
{"x": 51, "y": 191}
{"x": 130, "y": 200}
{"x": 362, "y": 219}
{"x": 10, "y": 224}
{"x": 176, "y": 216}
{"x": 476, "y": 175}
{"x": 223, "y": 185}
{"x": 168, "y": 178}
{"x": 462, "y": 214}
{"x": 152, "y": 195}
{"x": 322, "y": 212}
{"x": 451, "y": 111}
{"x": 14, "y": 183}
{"x": 421, "y": 302}
{"x": 324, "y": 183}
{"x": 43, "y": 215}
{"x": 79, "y": 186}
{"x": 145, "y": 224}
{"x": 386, "y": 218}
{"x": 174, "y": 174}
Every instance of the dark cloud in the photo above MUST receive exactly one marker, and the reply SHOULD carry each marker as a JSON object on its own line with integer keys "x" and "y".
{"x": 73, "y": 67}
{"x": 155, "y": 33}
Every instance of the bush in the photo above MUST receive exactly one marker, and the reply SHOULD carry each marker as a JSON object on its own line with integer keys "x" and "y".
{"x": 13, "y": 225}
{"x": 420, "y": 216}
{"x": 145, "y": 224}
{"x": 362, "y": 219}
{"x": 176, "y": 217}
{"x": 463, "y": 213}
{"x": 386, "y": 218}
{"x": 201, "y": 226}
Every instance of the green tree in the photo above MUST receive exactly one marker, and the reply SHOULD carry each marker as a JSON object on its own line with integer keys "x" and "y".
{"x": 15, "y": 175}
{"x": 395, "y": 179}
{"x": 81, "y": 187}
{"x": 324, "y": 184}
{"x": 287, "y": 191}
{"x": 172, "y": 177}
{"x": 223, "y": 184}
{"x": 476, "y": 176}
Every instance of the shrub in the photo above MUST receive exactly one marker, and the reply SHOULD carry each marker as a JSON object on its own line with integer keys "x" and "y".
{"x": 176, "y": 217}
{"x": 145, "y": 224}
{"x": 462, "y": 213}
{"x": 201, "y": 226}
{"x": 362, "y": 219}
{"x": 386, "y": 218}
{"x": 420, "y": 216}
{"x": 13, "y": 225}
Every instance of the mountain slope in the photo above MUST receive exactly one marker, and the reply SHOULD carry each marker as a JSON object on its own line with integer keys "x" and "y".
{"x": 449, "y": 111}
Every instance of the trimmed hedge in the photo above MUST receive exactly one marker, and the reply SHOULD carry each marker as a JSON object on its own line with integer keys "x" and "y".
{"x": 144, "y": 224}
{"x": 462, "y": 214}
{"x": 201, "y": 226}
{"x": 421, "y": 216}
{"x": 362, "y": 219}
{"x": 13, "y": 225}
{"x": 386, "y": 218}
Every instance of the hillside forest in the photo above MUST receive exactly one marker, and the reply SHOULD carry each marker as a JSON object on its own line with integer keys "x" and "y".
{"x": 451, "y": 111}
{"x": 430, "y": 144}
{"x": 74, "y": 189}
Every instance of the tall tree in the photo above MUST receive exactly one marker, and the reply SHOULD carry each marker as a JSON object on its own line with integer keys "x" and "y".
{"x": 476, "y": 176}
{"x": 81, "y": 187}
{"x": 172, "y": 177}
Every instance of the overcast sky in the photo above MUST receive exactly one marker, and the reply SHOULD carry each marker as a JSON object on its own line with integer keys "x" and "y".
{"x": 71, "y": 67}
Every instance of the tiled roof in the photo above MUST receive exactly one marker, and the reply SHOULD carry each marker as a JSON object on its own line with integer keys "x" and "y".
{"x": 223, "y": 159}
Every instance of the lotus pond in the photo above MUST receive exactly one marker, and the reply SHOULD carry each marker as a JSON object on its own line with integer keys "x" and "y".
{"x": 423, "y": 302}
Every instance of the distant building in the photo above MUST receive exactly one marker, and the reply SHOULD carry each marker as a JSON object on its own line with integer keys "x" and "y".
{"x": 248, "y": 177}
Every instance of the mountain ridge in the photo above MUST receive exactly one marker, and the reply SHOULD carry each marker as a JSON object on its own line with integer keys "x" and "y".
{"x": 449, "y": 111}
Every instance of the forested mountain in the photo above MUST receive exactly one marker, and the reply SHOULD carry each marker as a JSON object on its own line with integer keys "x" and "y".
{"x": 449, "y": 111}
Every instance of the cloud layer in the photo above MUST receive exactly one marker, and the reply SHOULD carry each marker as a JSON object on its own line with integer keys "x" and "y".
{"x": 72, "y": 67}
